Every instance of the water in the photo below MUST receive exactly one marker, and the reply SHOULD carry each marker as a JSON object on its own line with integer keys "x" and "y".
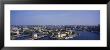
{"x": 88, "y": 36}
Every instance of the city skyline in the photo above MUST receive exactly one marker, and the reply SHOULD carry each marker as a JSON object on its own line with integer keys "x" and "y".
{"x": 55, "y": 17}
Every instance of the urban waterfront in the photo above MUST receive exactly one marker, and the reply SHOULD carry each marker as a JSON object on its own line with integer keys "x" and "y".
{"x": 55, "y": 32}
{"x": 55, "y": 25}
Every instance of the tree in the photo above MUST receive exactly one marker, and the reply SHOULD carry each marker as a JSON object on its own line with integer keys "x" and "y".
{"x": 27, "y": 32}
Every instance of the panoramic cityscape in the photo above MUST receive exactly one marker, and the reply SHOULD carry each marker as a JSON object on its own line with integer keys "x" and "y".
{"x": 55, "y": 25}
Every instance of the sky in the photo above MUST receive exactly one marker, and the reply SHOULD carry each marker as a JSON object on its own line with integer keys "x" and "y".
{"x": 55, "y": 17}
